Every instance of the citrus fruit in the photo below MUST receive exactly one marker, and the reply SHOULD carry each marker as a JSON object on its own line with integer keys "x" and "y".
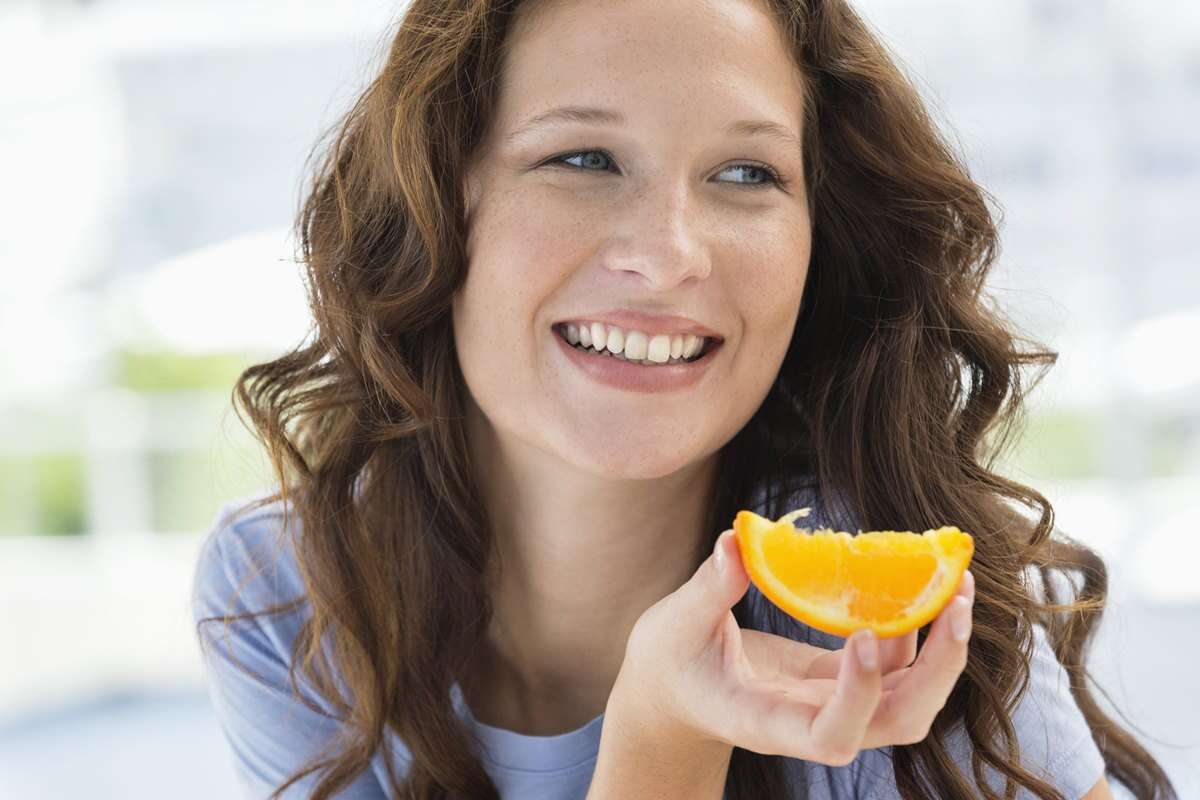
{"x": 889, "y": 581}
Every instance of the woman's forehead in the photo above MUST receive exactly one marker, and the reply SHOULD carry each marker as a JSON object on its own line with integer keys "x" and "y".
{"x": 682, "y": 62}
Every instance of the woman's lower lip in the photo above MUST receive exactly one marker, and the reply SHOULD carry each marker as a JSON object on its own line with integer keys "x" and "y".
{"x": 631, "y": 377}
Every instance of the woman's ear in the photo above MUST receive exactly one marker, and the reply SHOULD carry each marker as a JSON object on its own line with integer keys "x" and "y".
{"x": 471, "y": 187}
{"x": 468, "y": 196}
{"x": 470, "y": 201}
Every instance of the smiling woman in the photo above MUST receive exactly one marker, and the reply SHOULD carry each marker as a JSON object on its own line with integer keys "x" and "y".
{"x": 588, "y": 279}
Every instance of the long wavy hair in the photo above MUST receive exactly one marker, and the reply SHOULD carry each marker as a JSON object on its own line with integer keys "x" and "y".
{"x": 901, "y": 388}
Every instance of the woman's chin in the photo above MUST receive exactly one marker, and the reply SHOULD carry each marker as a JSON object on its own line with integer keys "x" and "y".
{"x": 647, "y": 459}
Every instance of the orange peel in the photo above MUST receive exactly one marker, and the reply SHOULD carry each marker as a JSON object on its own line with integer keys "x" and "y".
{"x": 889, "y": 581}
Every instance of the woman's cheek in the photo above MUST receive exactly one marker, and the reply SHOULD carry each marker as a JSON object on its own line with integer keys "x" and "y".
{"x": 546, "y": 240}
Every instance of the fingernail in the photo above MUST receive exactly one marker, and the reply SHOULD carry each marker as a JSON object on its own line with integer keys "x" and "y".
{"x": 720, "y": 553}
{"x": 868, "y": 651}
{"x": 960, "y": 620}
{"x": 969, "y": 580}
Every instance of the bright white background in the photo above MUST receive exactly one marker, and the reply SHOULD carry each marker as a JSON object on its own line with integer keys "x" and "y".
{"x": 153, "y": 152}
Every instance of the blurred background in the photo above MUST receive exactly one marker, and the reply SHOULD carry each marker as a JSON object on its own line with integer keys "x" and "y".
{"x": 153, "y": 154}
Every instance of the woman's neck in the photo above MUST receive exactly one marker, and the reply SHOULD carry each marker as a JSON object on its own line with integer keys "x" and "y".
{"x": 579, "y": 560}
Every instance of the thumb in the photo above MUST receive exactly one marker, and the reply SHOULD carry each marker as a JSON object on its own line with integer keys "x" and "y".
{"x": 715, "y": 587}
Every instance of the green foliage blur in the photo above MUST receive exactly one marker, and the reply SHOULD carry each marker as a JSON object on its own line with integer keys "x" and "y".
{"x": 46, "y": 493}
{"x": 42, "y": 493}
{"x": 166, "y": 371}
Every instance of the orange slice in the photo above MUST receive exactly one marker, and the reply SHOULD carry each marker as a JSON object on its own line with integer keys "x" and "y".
{"x": 889, "y": 581}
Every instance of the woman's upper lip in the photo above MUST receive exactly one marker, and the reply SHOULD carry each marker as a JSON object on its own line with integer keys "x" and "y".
{"x": 649, "y": 324}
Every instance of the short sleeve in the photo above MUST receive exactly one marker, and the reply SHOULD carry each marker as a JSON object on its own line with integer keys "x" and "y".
{"x": 271, "y": 733}
{"x": 1055, "y": 740}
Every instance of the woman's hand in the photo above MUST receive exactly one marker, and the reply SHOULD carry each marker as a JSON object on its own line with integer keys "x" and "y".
{"x": 692, "y": 674}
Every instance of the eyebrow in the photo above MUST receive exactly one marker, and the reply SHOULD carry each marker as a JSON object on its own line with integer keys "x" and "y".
{"x": 590, "y": 114}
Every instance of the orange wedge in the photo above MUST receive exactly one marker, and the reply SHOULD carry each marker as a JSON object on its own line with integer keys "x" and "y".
{"x": 889, "y": 581}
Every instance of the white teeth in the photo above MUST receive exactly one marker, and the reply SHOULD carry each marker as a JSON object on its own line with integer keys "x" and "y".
{"x": 635, "y": 345}
{"x": 598, "y": 336}
{"x": 659, "y": 349}
{"x": 616, "y": 341}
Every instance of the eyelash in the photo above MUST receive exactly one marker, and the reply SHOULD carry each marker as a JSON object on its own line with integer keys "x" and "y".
{"x": 773, "y": 176}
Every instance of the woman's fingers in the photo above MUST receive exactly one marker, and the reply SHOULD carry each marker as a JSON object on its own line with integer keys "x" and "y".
{"x": 908, "y": 711}
{"x": 817, "y": 691}
{"x": 769, "y": 713}
{"x": 894, "y": 652}
{"x": 838, "y": 729}
{"x": 844, "y": 706}
{"x": 778, "y": 658}
{"x": 898, "y": 651}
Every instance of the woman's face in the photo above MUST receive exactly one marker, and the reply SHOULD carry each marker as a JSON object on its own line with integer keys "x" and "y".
{"x": 665, "y": 213}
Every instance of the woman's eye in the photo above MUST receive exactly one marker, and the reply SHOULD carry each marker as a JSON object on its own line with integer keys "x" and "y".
{"x": 586, "y": 156}
{"x": 769, "y": 176}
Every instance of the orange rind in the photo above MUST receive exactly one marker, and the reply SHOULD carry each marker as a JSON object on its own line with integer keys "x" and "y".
{"x": 891, "y": 582}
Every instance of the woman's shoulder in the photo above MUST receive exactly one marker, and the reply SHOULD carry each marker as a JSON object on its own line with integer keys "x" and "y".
{"x": 273, "y": 725}
{"x": 247, "y": 560}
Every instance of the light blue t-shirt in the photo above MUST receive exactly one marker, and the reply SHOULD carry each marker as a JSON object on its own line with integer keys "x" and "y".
{"x": 272, "y": 734}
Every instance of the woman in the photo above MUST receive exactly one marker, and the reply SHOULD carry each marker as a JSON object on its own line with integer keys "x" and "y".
{"x": 588, "y": 278}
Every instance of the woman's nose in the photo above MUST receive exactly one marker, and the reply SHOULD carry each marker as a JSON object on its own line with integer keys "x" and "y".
{"x": 662, "y": 236}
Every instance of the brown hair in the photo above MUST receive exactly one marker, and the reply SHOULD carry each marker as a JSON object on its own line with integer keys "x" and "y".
{"x": 901, "y": 387}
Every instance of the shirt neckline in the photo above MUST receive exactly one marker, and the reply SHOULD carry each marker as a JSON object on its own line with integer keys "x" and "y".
{"x": 520, "y": 752}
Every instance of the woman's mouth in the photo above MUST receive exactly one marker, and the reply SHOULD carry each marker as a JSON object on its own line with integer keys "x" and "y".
{"x": 634, "y": 346}
{"x": 634, "y": 361}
